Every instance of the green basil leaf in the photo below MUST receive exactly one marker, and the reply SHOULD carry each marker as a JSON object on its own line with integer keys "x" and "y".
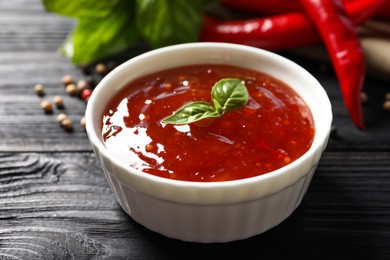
{"x": 97, "y": 38}
{"x": 191, "y": 112}
{"x": 229, "y": 94}
{"x": 81, "y": 8}
{"x": 167, "y": 22}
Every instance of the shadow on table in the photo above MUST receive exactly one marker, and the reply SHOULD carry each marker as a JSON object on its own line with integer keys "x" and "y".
{"x": 323, "y": 227}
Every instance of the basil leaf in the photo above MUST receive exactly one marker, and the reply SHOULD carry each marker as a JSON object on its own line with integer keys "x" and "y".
{"x": 107, "y": 27}
{"x": 81, "y": 8}
{"x": 191, "y": 112}
{"x": 167, "y": 22}
{"x": 229, "y": 94}
{"x": 97, "y": 38}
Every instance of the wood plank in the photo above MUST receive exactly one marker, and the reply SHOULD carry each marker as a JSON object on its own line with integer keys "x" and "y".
{"x": 59, "y": 205}
{"x": 56, "y": 204}
{"x": 27, "y": 128}
{"x": 28, "y": 56}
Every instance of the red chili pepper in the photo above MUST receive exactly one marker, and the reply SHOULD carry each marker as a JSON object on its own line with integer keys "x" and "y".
{"x": 384, "y": 12}
{"x": 267, "y": 7}
{"x": 280, "y": 31}
{"x": 366, "y": 9}
{"x": 275, "y": 7}
{"x": 296, "y": 29}
{"x": 272, "y": 33}
{"x": 344, "y": 48}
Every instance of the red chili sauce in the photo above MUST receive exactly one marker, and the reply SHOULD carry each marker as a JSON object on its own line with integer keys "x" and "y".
{"x": 274, "y": 128}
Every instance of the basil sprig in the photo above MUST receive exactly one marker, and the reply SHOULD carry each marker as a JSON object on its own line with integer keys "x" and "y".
{"x": 227, "y": 94}
{"x": 108, "y": 27}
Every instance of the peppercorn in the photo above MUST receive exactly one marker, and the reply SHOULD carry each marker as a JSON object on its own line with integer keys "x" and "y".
{"x": 364, "y": 97}
{"x": 101, "y": 69}
{"x": 81, "y": 85}
{"x": 39, "y": 89}
{"x": 86, "y": 94}
{"x": 71, "y": 89}
{"x": 83, "y": 122}
{"x": 46, "y": 106}
{"x": 67, "y": 123}
{"x": 67, "y": 79}
{"x": 386, "y": 105}
{"x": 58, "y": 101}
{"x": 61, "y": 117}
{"x": 387, "y": 96}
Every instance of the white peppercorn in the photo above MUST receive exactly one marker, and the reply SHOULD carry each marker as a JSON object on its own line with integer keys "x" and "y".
{"x": 61, "y": 117}
{"x": 67, "y": 79}
{"x": 101, "y": 68}
{"x": 67, "y": 123}
{"x": 386, "y": 105}
{"x": 83, "y": 122}
{"x": 46, "y": 106}
{"x": 39, "y": 89}
{"x": 58, "y": 101}
{"x": 71, "y": 89}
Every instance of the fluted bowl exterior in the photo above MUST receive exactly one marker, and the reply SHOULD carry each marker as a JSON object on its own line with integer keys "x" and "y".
{"x": 211, "y": 211}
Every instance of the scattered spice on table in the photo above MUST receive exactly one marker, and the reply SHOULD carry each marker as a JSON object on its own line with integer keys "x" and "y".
{"x": 82, "y": 89}
{"x": 83, "y": 122}
{"x": 39, "y": 89}
{"x": 46, "y": 106}
{"x": 71, "y": 89}
{"x": 58, "y": 101}
{"x": 67, "y": 79}
{"x": 386, "y": 105}
{"x": 61, "y": 117}
{"x": 67, "y": 124}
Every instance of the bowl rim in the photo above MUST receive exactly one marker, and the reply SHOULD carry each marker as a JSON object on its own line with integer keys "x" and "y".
{"x": 318, "y": 145}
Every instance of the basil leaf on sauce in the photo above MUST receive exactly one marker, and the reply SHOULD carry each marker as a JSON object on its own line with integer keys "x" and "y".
{"x": 227, "y": 94}
{"x": 191, "y": 112}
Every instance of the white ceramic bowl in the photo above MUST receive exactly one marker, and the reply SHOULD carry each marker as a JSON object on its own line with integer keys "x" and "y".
{"x": 214, "y": 211}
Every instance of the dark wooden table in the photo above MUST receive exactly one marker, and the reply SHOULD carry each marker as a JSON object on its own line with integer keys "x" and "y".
{"x": 55, "y": 202}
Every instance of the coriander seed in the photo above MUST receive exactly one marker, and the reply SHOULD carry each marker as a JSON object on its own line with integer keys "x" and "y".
{"x": 81, "y": 85}
{"x": 58, "y": 101}
{"x": 67, "y": 79}
{"x": 386, "y": 105}
{"x": 71, "y": 89}
{"x": 61, "y": 117}
{"x": 67, "y": 123}
{"x": 83, "y": 122}
{"x": 39, "y": 89}
{"x": 101, "y": 69}
{"x": 46, "y": 106}
{"x": 363, "y": 97}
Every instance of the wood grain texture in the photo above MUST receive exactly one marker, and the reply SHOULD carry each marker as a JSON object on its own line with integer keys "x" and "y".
{"x": 55, "y": 202}
{"x": 59, "y": 206}
{"x": 28, "y": 56}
